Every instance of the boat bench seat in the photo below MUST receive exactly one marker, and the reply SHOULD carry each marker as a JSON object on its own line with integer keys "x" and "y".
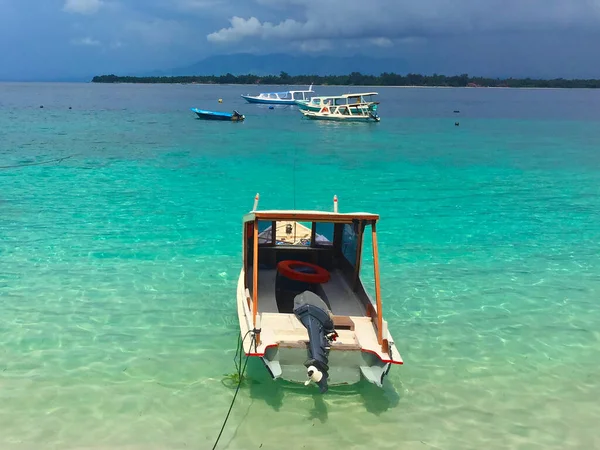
{"x": 343, "y": 323}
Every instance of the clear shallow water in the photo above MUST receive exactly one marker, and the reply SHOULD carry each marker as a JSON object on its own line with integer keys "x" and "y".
{"x": 118, "y": 267}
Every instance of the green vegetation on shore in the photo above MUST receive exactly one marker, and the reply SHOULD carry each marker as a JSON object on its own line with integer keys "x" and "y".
{"x": 358, "y": 79}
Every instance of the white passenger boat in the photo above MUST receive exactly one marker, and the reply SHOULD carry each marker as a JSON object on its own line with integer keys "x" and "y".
{"x": 357, "y": 112}
{"x": 317, "y": 103}
{"x": 280, "y": 98}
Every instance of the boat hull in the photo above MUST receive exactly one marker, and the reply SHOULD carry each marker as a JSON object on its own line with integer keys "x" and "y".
{"x": 304, "y": 106}
{"x": 339, "y": 117}
{"x": 268, "y": 101}
{"x": 345, "y": 367}
{"x": 220, "y": 116}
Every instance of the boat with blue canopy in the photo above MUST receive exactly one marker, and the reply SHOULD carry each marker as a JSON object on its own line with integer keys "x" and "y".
{"x": 216, "y": 115}
{"x": 280, "y": 98}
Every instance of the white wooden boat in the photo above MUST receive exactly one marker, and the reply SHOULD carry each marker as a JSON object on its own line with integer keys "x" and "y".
{"x": 357, "y": 112}
{"x": 302, "y": 306}
{"x": 279, "y": 98}
{"x": 317, "y": 103}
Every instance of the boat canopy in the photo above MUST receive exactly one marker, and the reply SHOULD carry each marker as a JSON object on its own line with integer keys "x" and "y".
{"x": 359, "y": 94}
{"x": 284, "y": 94}
{"x": 344, "y": 99}
{"x": 309, "y": 216}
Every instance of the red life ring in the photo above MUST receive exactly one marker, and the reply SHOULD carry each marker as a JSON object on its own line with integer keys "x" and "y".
{"x": 287, "y": 269}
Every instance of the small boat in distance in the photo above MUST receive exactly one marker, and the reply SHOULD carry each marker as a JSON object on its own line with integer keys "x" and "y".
{"x": 316, "y": 103}
{"x": 214, "y": 115}
{"x": 302, "y": 306}
{"x": 279, "y": 98}
{"x": 357, "y": 112}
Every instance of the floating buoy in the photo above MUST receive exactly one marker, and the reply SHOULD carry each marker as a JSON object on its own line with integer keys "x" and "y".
{"x": 220, "y": 100}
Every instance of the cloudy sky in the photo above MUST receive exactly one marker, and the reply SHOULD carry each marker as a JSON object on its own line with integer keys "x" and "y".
{"x": 62, "y": 38}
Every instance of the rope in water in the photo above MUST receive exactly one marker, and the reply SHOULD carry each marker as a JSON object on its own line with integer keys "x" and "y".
{"x": 57, "y": 160}
{"x": 240, "y": 372}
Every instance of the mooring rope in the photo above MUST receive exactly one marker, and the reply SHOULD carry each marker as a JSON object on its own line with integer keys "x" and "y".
{"x": 57, "y": 160}
{"x": 240, "y": 372}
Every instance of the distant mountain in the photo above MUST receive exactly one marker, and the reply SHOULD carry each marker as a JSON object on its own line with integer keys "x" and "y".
{"x": 273, "y": 64}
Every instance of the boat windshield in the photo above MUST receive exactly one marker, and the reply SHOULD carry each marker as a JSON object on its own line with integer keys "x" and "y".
{"x": 275, "y": 95}
{"x": 294, "y": 233}
{"x": 301, "y": 95}
{"x": 350, "y": 243}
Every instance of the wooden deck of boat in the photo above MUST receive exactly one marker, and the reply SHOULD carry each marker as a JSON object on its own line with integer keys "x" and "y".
{"x": 337, "y": 294}
{"x": 356, "y": 331}
{"x": 288, "y": 332}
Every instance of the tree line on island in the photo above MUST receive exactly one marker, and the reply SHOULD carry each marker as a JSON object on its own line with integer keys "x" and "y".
{"x": 358, "y": 79}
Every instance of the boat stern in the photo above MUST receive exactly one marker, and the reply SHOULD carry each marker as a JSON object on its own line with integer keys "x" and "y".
{"x": 352, "y": 356}
{"x": 345, "y": 366}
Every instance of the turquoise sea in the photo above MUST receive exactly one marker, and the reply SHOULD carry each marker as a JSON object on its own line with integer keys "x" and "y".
{"x": 118, "y": 267}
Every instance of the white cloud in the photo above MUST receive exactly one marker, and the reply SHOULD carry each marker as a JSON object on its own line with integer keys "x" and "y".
{"x": 242, "y": 28}
{"x": 82, "y": 6}
{"x": 86, "y": 41}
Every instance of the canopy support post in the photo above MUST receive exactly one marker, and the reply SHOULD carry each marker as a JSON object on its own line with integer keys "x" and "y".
{"x": 255, "y": 279}
{"x": 383, "y": 342}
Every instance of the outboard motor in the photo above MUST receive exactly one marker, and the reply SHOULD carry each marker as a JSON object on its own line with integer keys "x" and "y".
{"x": 314, "y": 314}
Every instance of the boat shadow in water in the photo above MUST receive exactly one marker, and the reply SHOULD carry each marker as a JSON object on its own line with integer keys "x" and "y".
{"x": 376, "y": 400}
{"x": 262, "y": 386}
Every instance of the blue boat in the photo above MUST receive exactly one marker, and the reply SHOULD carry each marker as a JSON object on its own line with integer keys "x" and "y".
{"x": 215, "y": 115}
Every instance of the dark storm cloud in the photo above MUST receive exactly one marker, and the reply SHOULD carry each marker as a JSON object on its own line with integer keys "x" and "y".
{"x": 91, "y": 36}
{"x": 351, "y": 19}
